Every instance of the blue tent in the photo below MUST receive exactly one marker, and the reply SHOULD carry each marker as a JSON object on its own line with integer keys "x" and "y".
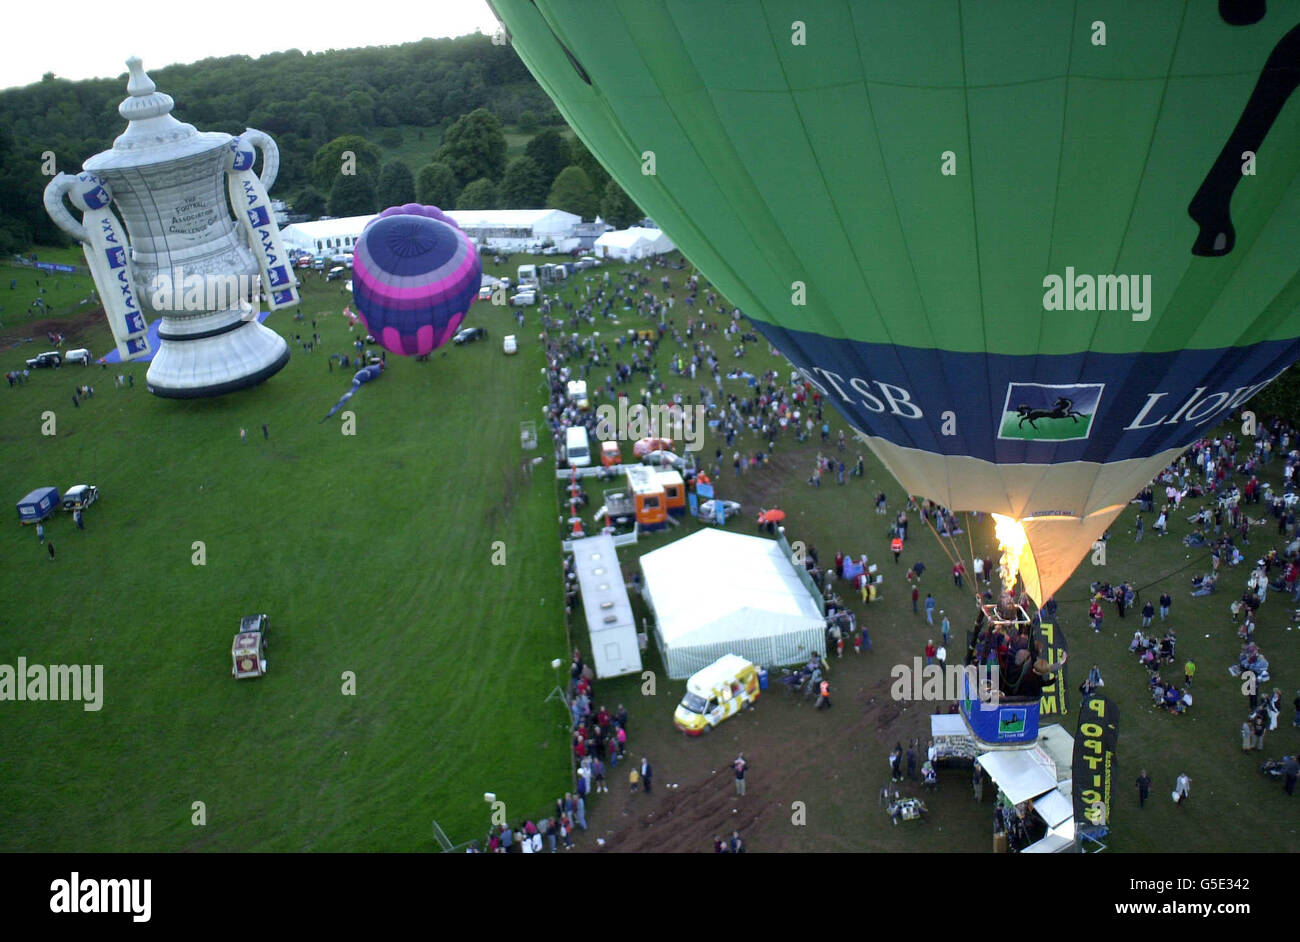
{"x": 38, "y": 505}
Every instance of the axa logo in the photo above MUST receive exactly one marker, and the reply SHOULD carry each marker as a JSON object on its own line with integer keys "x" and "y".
{"x": 1043, "y": 412}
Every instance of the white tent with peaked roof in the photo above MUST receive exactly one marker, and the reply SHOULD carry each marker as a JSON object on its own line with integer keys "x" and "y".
{"x": 716, "y": 593}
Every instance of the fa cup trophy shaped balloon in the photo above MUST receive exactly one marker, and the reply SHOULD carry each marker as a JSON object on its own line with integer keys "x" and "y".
{"x": 182, "y": 256}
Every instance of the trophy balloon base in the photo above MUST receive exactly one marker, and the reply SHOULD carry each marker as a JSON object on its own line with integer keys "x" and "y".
{"x": 216, "y": 363}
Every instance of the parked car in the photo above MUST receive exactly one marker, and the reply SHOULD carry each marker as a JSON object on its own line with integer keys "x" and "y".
{"x": 709, "y": 510}
{"x": 50, "y": 358}
{"x": 664, "y": 459}
{"x": 644, "y": 446}
{"x": 248, "y": 651}
{"x": 524, "y": 299}
{"x": 81, "y": 355}
{"x": 335, "y": 273}
{"x": 485, "y": 293}
{"x": 469, "y": 334}
{"x": 80, "y": 496}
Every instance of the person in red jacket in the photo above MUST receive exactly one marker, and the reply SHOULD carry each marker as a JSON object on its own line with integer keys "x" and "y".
{"x": 930, "y": 650}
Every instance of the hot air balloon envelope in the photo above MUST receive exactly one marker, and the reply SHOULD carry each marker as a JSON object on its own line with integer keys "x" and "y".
{"x": 1032, "y": 252}
{"x": 414, "y": 276}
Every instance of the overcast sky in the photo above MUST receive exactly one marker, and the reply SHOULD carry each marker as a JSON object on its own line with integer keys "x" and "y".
{"x": 77, "y": 39}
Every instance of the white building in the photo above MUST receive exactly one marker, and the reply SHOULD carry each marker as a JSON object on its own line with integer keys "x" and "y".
{"x": 508, "y": 230}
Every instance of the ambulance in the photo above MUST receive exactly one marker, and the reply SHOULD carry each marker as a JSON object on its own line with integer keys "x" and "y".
{"x": 723, "y": 689}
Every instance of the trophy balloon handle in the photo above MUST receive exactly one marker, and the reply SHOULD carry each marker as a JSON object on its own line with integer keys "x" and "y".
{"x": 270, "y": 155}
{"x": 55, "y": 191}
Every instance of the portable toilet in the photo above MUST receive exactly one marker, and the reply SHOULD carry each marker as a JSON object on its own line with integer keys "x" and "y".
{"x": 38, "y": 505}
{"x": 674, "y": 490}
{"x": 648, "y": 497}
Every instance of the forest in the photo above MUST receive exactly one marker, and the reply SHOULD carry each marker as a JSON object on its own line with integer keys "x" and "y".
{"x": 431, "y": 121}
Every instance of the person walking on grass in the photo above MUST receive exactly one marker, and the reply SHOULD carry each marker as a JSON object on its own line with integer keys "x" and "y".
{"x": 740, "y": 766}
{"x": 50, "y": 546}
{"x": 929, "y": 608}
{"x": 1182, "y": 788}
{"x": 40, "y": 532}
{"x": 1144, "y": 788}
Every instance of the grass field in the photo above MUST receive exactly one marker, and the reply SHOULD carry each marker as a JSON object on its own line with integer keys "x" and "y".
{"x": 371, "y": 554}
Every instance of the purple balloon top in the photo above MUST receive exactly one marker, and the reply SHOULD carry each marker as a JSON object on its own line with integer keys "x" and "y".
{"x": 415, "y": 209}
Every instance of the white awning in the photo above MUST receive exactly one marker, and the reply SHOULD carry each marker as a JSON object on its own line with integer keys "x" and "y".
{"x": 1020, "y": 774}
{"x": 1055, "y": 807}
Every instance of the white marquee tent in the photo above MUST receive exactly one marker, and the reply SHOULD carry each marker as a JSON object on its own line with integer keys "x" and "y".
{"x": 631, "y": 244}
{"x": 715, "y": 593}
{"x": 511, "y": 230}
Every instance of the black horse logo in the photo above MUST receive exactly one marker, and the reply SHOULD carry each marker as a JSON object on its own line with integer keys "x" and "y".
{"x": 1211, "y": 206}
{"x": 1063, "y": 409}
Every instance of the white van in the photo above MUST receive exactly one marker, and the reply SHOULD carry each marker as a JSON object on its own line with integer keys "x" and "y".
{"x": 81, "y": 355}
{"x": 578, "y": 394}
{"x": 577, "y": 448}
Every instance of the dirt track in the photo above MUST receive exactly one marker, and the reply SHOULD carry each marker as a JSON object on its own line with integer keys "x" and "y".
{"x": 865, "y": 724}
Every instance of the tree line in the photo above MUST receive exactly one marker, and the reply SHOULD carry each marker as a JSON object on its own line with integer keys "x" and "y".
{"x": 316, "y": 106}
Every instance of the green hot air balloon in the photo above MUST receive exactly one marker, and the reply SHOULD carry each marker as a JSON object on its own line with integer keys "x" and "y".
{"x": 1031, "y": 249}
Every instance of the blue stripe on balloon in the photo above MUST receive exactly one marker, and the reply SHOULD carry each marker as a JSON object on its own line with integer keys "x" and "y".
{"x": 1128, "y": 405}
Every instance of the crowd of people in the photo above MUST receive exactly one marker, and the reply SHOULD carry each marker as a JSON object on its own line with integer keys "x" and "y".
{"x": 599, "y": 743}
